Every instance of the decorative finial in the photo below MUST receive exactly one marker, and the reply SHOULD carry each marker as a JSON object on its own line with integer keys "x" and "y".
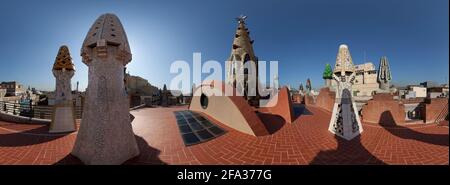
{"x": 106, "y": 30}
{"x": 63, "y": 59}
{"x": 241, "y": 18}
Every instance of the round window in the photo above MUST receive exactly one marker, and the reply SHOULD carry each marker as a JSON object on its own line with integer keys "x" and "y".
{"x": 204, "y": 101}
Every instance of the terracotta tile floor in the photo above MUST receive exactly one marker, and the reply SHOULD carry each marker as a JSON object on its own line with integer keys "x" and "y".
{"x": 306, "y": 141}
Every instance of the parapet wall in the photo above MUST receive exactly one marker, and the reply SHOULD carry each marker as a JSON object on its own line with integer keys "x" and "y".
{"x": 383, "y": 109}
{"x": 325, "y": 99}
{"x": 21, "y": 119}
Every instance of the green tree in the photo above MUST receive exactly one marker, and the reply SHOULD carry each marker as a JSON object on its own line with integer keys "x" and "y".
{"x": 327, "y": 73}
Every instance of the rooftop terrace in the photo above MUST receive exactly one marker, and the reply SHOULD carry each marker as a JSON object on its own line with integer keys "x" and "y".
{"x": 306, "y": 141}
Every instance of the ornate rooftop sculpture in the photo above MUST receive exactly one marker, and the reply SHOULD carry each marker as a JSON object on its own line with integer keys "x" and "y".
{"x": 241, "y": 53}
{"x": 345, "y": 120}
{"x": 327, "y": 72}
{"x": 106, "y": 135}
{"x": 164, "y": 96}
{"x": 327, "y": 75}
{"x": 63, "y": 119}
{"x": 63, "y": 59}
{"x": 344, "y": 62}
{"x": 384, "y": 74}
{"x": 107, "y": 30}
{"x": 308, "y": 86}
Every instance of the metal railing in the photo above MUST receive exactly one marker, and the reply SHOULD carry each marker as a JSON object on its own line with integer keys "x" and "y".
{"x": 33, "y": 111}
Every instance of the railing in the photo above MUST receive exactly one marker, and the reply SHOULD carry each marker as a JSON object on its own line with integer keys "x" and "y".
{"x": 137, "y": 107}
{"x": 442, "y": 115}
{"x": 33, "y": 111}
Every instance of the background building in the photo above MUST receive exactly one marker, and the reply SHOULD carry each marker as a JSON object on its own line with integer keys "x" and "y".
{"x": 437, "y": 92}
{"x": 140, "y": 91}
{"x": 139, "y": 86}
{"x": 419, "y": 92}
{"x": 13, "y": 88}
{"x": 365, "y": 80}
{"x": 429, "y": 84}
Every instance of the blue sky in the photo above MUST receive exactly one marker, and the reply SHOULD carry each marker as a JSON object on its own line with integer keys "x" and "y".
{"x": 302, "y": 35}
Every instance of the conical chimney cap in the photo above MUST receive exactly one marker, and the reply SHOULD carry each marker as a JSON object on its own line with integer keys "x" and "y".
{"x": 63, "y": 59}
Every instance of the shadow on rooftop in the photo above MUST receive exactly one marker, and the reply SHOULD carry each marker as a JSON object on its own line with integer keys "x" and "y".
{"x": 272, "y": 122}
{"x": 300, "y": 109}
{"x": 388, "y": 123}
{"x": 147, "y": 156}
{"x": 346, "y": 153}
{"x": 69, "y": 160}
{"x": 29, "y": 137}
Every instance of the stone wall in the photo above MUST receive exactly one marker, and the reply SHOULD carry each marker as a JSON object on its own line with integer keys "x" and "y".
{"x": 433, "y": 107}
{"x": 383, "y": 109}
{"x": 325, "y": 99}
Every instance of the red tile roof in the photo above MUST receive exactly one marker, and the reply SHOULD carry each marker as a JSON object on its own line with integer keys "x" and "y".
{"x": 306, "y": 141}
